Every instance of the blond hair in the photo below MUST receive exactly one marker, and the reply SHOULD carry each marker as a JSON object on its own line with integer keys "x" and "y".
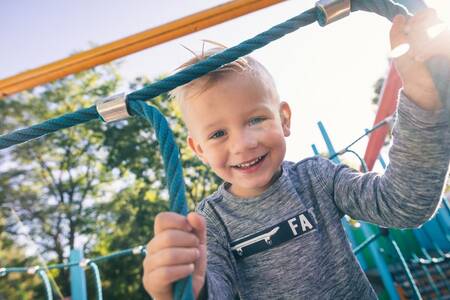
{"x": 244, "y": 65}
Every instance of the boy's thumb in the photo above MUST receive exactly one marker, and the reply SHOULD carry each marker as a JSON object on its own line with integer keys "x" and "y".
{"x": 199, "y": 224}
{"x": 398, "y": 33}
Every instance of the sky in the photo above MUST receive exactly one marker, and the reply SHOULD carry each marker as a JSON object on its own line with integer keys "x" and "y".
{"x": 325, "y": 73}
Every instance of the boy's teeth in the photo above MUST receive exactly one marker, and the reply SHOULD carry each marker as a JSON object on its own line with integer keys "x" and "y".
{"x": 249, "y": 164}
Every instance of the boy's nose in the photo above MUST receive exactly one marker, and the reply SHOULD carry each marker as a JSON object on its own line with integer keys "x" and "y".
{"x": 243, "y": 141}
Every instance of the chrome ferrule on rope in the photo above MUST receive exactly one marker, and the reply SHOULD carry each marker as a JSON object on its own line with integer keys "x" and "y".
{"x": 332, "y": 10}
{"x": 113, "y": 108}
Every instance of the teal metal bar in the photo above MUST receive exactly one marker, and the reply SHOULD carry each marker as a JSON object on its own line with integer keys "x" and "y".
{"x": 326, "y": 138}
{"x": 427, "y": 273}
{"x": 366, "y": 243}
{"x": 77, "y": 276}
{"x": 439, "y": 250}
{"x": 314, "y": 149}
{"x": 48, "y": 287}
{"x": 98, "y": 281}
{"x": 416, "y": 292}
{"x": 382, "y": 162}
{"x": 436, "y": 263}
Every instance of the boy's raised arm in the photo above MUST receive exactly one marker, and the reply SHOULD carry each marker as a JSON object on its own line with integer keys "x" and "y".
{"x": 409, "y": 192}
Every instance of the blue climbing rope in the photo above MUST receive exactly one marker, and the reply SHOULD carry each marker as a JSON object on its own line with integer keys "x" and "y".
{"x": 68, "y": 120}
{"x": 172, "y": 165}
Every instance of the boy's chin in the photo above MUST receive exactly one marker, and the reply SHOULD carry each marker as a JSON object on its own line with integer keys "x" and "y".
{"x": 250, "y": 190}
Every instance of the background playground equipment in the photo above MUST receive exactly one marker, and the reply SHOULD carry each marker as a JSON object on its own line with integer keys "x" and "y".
{"x": 411, "y": 264}
{"x": 137, "y": 107}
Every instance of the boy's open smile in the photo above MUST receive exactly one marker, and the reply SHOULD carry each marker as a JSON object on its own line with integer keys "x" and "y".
{"x": 251, "y": 165}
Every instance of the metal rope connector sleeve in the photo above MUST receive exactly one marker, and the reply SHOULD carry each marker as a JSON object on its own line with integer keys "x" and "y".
{"x": 332, "y": 10}
{"x": 113, "y": 108}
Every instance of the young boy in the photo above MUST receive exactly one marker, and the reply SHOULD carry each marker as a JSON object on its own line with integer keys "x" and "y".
{"x": 273, "y": 228}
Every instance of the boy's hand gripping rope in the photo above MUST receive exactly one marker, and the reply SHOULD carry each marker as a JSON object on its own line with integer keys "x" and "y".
{"x": 439, "y": 68}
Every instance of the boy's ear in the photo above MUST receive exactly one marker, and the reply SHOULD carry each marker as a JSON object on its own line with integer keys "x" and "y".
{"x": 285, "y": 116}
{"x": 196, "y": 148}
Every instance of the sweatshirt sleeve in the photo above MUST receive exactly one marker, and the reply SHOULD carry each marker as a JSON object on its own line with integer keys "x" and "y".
{"x": 221, "y": 278}
{"x": 410, "y": 190}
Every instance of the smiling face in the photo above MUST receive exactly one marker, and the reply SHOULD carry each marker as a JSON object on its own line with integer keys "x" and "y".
{"x": 238, "y": 127}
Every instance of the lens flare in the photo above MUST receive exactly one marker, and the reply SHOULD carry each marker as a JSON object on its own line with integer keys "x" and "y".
{"x": 400, "y": 50}
{"x": 442, "y": 8}
{"x": 436, "y": 30}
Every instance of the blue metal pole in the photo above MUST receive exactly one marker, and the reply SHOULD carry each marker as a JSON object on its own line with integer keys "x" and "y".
{"x": 327, "y": 140}
{"x": 314, "y": 149}
{"x": 77, "y": 276}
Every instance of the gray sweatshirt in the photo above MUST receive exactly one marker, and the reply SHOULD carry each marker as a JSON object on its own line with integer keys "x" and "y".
{"x": 289, "y": 243}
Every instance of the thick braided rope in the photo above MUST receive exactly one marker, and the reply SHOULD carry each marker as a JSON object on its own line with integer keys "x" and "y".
{"x": 68, "y": 120}
{"x": 169, "y": 151}
{"x": 231, "y": 54}
{"x": 172, "y": 164}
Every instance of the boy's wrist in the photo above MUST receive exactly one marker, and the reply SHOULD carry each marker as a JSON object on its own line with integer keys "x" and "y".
{"x": 425, "y": 98}
{"x": 419, "y": 116}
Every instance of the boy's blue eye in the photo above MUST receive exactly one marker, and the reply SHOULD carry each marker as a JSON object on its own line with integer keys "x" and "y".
{"x": 217, "y": 134}
{"x": 256, "y": 120}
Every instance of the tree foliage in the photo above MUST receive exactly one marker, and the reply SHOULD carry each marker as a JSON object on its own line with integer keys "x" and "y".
{"x": 96, "y": 186}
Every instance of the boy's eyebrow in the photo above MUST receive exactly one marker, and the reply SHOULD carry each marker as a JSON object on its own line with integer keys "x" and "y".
{"x": 260, "y": 107}
{"x": 211, "y": 125}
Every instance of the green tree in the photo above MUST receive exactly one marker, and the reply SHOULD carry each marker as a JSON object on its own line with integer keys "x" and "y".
{"x": 13, "y": 285}
{"x": 54, "y": 182}
{"x": 94, "y": 186}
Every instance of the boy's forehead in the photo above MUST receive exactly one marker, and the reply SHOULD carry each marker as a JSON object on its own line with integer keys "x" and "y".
{"x": 205, "y": 100}
{"x": 228, "y": 99}
{"x": 239, "y": 85}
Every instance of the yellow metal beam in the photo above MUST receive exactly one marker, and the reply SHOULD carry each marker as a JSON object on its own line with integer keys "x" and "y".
{"x": 134, "y": 43}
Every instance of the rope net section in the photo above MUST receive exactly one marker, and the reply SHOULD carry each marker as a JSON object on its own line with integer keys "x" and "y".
{"x": 136, "y": 106}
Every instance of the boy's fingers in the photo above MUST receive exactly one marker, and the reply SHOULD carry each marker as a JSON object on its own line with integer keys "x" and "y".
{"x": 172, "y": 238}
{"x": 425, "y": 16}
{"x": 171, "y": 220}
{"x": 172, "y": 257}
{"x": 199, "y": 224}
{"x": 439, "y": 46}
{"x": 397, "y": 33}
{"x": 162, "y": 277}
